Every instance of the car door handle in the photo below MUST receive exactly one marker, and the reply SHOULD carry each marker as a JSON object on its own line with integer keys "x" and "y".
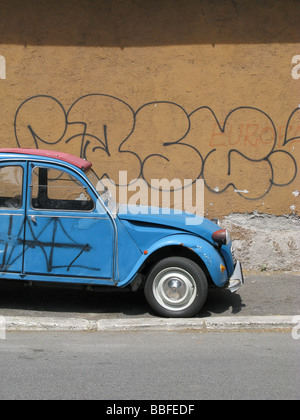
{"x": 33, "y": 219}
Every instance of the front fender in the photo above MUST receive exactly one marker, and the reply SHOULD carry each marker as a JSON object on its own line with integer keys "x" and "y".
{"x": 206, "y": 251}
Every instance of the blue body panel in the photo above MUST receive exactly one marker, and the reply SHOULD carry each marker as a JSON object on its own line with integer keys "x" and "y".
{"x": 69, "y": 246}
{"x": 152, "y": 228}
{"x": 95, "y": 247}
{"x": 12, "y": 230}
{"x": 204, "y": 250}
{"x": 11, "y": 242}
{"x": 168, "y": 219}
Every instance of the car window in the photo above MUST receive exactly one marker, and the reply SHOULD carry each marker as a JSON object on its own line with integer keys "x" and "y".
{"x": 53, "y": 189}
{"x": 11, "y": 182}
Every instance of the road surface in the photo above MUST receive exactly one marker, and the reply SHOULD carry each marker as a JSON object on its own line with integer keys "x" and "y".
{"x": 157, "y": 365}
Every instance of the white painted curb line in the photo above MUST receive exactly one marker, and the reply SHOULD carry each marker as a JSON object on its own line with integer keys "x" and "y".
{"x": 148, "y": 324}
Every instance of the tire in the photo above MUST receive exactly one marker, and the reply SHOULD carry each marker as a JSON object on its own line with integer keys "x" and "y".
{"x": 176, "y": 287}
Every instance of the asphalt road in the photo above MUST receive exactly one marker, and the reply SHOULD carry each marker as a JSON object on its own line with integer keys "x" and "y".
{"x": 262, "y": 294}
{"x": 149, "y": 366}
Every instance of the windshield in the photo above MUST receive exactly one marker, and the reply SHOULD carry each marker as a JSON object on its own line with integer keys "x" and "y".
{"x": 103, "y": 191}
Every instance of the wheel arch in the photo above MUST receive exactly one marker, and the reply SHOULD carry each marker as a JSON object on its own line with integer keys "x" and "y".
{"x": 174, "y": 251}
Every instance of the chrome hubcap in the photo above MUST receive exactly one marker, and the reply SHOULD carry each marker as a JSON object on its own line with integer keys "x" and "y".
{"x": 174, "y": 288}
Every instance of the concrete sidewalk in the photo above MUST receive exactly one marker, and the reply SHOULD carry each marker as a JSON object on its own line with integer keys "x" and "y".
{"x": 265, "y": 301}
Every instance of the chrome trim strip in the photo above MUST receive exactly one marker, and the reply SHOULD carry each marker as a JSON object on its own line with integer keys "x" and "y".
{"x": 68, "y": 217}
{"x": 11, "y": 214}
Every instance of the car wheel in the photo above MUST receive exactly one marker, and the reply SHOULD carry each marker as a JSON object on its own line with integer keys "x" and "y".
{"x": 176, "y": 287}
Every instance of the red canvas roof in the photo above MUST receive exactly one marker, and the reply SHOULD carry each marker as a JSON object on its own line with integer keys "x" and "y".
{"x": 76, "y": 161}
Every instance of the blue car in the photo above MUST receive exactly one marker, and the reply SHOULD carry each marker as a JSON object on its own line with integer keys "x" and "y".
{"x": 58, "y": 223}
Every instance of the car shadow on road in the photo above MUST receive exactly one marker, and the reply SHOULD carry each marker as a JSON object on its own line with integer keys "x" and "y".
{"x": 222, "y": 302}
{"x": 19, "y": 300}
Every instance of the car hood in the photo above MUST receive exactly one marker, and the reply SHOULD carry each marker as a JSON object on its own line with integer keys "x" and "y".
{"x": 168, "y": 218}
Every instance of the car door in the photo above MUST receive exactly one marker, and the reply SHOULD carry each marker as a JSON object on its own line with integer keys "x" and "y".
{"x": 12, "y": 216}
{"x": 68, "y": 232}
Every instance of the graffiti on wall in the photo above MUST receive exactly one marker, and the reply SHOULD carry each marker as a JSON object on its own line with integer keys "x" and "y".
{"x": 162, "y": 140}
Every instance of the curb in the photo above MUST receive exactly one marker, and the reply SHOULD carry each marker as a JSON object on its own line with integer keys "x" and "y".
{"x": 151, "y": 324}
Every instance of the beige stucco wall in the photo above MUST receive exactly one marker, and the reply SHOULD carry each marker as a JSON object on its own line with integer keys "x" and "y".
{"x": 161, "y": 89}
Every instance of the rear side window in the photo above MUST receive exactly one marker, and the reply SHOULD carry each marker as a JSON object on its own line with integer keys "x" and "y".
{"x": 53, "y": 189}
{"x": 11, "y": 185}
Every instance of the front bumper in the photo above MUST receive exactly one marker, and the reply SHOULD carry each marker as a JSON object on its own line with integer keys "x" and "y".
{"x": 237, "y": 278}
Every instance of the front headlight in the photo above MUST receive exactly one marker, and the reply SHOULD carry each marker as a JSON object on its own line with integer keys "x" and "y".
{"x": 221, "y": 237}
